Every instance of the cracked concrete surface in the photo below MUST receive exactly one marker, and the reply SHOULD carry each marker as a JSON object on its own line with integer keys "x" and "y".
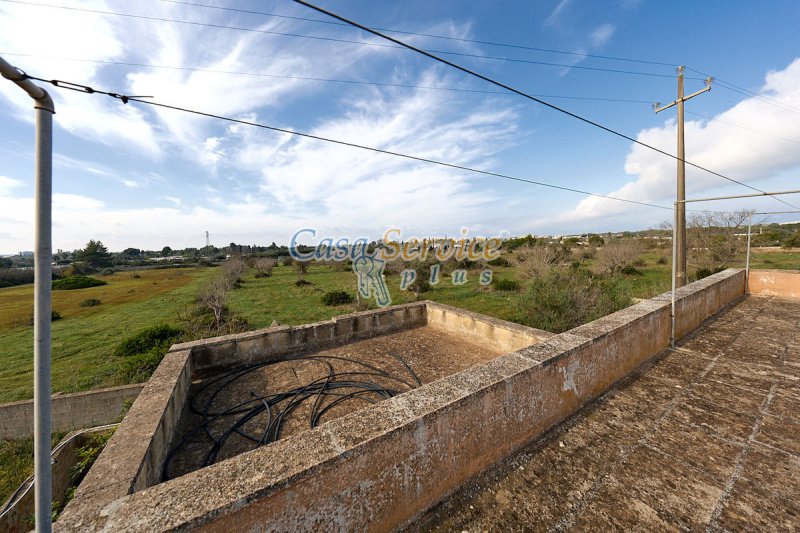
{"x": 703, "y": 438}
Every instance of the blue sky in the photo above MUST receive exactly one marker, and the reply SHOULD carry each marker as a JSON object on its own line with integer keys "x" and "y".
{"x": 132, "y": 175}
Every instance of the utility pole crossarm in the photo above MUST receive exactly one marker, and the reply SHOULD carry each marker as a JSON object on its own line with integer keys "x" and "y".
{"x": 657, "y": 107}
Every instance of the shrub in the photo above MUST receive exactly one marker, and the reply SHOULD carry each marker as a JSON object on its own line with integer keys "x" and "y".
{"x": 639, "y": 262}
{"x": 76, "y": 282}
{"x": 561, "y": 300}
{"x": 108, "y": 271}
{"x": 662, "y": 260}
{"x": 500, "y": 262}
{"x": 423, "y": 285}
{"x": 705, "y": 272}
{"x": 54, "y": 315}
{"x": 505, "y": 284}
{"x": 90, "y": 302}
{"x": 337, "y": 298}
{"x": 139, "y": 367}
{"x": 160, "y": 336}
{"x": 301, "y": 282}
{"x": 630, "y": 270}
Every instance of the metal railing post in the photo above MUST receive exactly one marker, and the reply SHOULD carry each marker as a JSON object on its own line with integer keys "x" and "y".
{"x": 674, "y": 260}
{"x": 747, "y": 261}
{"x": 42, "y": 426}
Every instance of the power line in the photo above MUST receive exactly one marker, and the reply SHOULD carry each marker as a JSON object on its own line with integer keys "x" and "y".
{"x": 337, "y": 40}
{"x": 742, "y": 127}
{"x": 420, "y": 34}
{"x": 306, "y": 78}
{"x": 125, "y": 99}
{"x": 746, "y": 92}
{"x": 724, "y": 84}
{"x": 528, "y": 96}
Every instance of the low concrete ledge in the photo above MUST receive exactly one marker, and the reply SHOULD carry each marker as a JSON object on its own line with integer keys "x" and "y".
{"x": 21, "y": 506}
{"x": 702, "y": 299}
{"x": 70, "y": 411}
{"x": 780, "y": 283}
{"x": 508, "y": 336}
{"x": 260, "y": 345}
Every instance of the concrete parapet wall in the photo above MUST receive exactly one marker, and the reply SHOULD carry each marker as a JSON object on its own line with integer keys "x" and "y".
{"x": 507, "y": 336}
{"x": 697, "y": 301}
{"x": 261, "y": 345}
{"x": 780, "y": 283}
{"x": 15, "y": 517}
{"x": 378, "y": 468}
{"x": 70, "y": 411}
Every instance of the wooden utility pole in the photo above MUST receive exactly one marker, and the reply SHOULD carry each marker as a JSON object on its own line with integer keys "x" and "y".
{"x": 680, "y": 219}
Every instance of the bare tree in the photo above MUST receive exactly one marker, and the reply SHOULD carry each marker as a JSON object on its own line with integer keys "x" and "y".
{"x": 536, "y": 260}
{"x": 713, "y": 240}
{"x": 233, "y": 269}
{"x": 214, "y": 297}
{"x": 264, "y": 267}
{"x": 614, "y": 256}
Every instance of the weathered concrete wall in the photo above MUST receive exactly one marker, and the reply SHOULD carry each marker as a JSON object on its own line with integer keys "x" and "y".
{"x": 375, "y": 469}
{"x": 261, "y": 345}
{"x": 507, "y": 336}
{"x": 70, "y": 411}
{"x": 14, "y": 518}
{"x": 781, "y": 283}
{"x": 697, "y": 301}
{"x": 132, "y": 459}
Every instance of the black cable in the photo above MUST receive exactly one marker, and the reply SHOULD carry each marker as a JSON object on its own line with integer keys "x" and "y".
{"x": 529, "y": 96}
{"x": 419, "y": 34}
{"x": 747, "y": 92}
{"x": 333, "y": 39}
{"x": 333, "y": 388}
{"x": 304, "y": 78}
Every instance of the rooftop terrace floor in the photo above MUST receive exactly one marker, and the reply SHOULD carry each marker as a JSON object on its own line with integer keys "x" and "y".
{"x": 704, "y": 438}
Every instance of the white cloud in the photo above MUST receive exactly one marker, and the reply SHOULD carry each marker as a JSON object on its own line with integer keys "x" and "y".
{"x": 601, "y": 35}
{"x": 73, "y": 34}
{"x": 6, "y": 184}
{"x": 552, "y": 19}
{"x": 742, "y": 154}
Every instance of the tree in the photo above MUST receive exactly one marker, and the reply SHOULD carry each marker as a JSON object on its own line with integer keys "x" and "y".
{"x": 712, "y": 239}
{"x": 214, "y": 297}
{"x": 233, "y": 269}
{"x": 264, "y": 267}
{"x": 95, "y": 254}
{"x": 132, "y": 253}
{"x": 536, "y": 260}
{"x": 5, "y": 262}
{"x": 616, "y": 255}
{"x": 166, "y": 251}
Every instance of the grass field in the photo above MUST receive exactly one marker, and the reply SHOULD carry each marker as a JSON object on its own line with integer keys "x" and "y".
{"x": 84, "y": 339}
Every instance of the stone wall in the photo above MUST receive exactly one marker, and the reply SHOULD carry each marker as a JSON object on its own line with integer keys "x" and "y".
{"x": 70, "y": 411}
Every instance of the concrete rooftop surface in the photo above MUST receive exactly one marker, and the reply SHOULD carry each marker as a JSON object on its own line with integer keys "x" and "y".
{"x": 705, "y": 437}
